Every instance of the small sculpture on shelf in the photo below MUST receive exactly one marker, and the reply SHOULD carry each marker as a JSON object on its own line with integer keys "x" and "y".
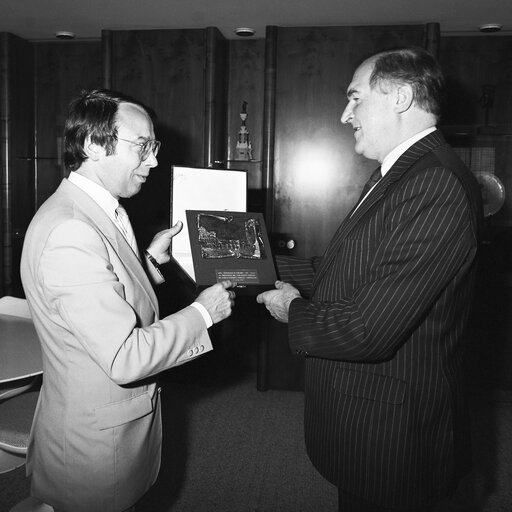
{"x": 243, "y": 145}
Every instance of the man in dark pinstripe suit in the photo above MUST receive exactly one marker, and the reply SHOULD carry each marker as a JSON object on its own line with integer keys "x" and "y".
{"x": 381, "y": 317}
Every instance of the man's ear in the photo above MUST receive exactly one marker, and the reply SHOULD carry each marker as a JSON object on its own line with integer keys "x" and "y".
{"x": 93, "y": 150}
{"x": 404, "y": 98}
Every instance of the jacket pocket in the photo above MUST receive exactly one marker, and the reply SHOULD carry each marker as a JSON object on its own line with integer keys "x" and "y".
{"x": 370, "y": 386}
{"x": 118, "y": 413}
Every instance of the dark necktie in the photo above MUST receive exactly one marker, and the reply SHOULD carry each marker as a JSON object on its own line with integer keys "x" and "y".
{"x": 374, "y": 178}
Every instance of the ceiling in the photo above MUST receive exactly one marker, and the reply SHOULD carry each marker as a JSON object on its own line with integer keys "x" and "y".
{"x": 40, "y": 19}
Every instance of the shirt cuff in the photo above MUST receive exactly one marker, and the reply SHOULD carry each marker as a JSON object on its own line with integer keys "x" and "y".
{"x": 204, "y": 313}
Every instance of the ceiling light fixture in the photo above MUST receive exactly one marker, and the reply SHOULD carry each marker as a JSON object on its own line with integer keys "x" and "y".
{"x": 245, "y": 31}
{"x": 64, "y": 34}
{"x": 487, "y": 28}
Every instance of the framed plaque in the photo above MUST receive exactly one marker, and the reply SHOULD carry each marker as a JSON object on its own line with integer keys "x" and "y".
{"x": 231, "y": 245}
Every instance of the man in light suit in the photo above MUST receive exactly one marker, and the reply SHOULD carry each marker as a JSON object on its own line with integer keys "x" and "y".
{"x": 381, "y": 318}
{"x": 96, "y": 438}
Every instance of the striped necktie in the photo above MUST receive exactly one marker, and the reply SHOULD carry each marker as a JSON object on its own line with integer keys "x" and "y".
{"x": 125, "y": 226}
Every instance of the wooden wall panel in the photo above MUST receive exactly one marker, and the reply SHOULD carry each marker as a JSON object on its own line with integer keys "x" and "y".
{"x": 62, "y": 70}
{"x": 165, "y": 70}
{"x": 215, "y": 99}
{"x": 17, "y": 164}
{"x": 317, "y": 175}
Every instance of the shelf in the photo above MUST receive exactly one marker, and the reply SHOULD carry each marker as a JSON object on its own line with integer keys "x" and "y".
{"x": 245, "y": 161}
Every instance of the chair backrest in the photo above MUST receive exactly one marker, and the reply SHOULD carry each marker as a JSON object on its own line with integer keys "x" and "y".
{"x": 18, "y": 399}
{"x": 18, "y": 402}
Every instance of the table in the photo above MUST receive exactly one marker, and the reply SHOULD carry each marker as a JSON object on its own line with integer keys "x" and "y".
{"x": 20, "y": 350}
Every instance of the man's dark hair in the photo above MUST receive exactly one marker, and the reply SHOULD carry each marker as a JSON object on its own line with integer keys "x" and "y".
{"x": 93, "y": 113}
{"x": 416, "y": 67}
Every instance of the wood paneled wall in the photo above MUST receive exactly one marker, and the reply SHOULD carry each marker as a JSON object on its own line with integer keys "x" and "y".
{"x": 318, "y": 177}
{"x": 165, "y": 70}
{"x": 17, "y": 151}
{"x": 62, "y": 70}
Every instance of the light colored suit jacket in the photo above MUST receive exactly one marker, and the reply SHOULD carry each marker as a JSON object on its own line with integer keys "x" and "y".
{"x": 96, "y": 438}
{"x": 384, "y": 330}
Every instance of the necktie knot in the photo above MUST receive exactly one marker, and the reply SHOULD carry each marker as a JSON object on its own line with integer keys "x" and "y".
{"x": 121, "y": 213}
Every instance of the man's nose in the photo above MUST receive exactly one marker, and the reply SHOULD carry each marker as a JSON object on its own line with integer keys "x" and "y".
{"x": 151, "y": 160}
{"x": 347, "y": 115}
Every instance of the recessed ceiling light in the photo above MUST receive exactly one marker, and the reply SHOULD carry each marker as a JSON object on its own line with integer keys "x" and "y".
{"x": 490, "y": 27}
{"x": 245, "y": 31}
{"x": 64, "y": 34}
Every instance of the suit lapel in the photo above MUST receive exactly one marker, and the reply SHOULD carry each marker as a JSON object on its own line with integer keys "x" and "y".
{"x": 395, "y": 173}
{"x": 89, "y": 208}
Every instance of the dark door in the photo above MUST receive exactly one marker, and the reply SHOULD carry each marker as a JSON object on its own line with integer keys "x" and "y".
{"x": 317, "y": 175}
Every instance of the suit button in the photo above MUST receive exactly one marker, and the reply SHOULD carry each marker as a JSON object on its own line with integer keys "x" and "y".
{"x": 196, "y": 350}
{"x": 201, "y": 348}
{"x": 190, "y": 353}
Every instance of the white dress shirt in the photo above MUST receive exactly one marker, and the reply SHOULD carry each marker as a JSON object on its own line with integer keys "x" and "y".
{"x": 395, "y": 154}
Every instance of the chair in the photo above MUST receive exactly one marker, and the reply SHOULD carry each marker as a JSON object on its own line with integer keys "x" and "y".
{"x": 17, "y": 405}
{"x": 18, "y": 399}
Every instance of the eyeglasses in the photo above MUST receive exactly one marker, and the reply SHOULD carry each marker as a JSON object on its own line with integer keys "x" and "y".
{"x": 145, "y": 148}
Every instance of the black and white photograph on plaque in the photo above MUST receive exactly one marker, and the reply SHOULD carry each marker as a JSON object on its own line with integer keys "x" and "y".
{"x": 231, "y": 245}
{"x": 228, "y": 236}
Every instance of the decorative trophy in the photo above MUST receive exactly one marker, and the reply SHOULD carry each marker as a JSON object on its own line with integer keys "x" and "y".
{"x": 243, "y": 145}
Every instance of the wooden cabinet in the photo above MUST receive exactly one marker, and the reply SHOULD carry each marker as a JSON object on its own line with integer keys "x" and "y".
{"x": 317, "y": 175}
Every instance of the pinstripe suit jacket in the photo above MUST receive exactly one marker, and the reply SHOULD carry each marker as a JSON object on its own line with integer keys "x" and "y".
{"x": 383, "y": 329}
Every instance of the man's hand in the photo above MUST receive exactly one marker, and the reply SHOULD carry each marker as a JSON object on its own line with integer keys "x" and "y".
{"x": 278, "y": 301}
{"x": 159, "y": 246}
{"x": 218, "y": 300}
